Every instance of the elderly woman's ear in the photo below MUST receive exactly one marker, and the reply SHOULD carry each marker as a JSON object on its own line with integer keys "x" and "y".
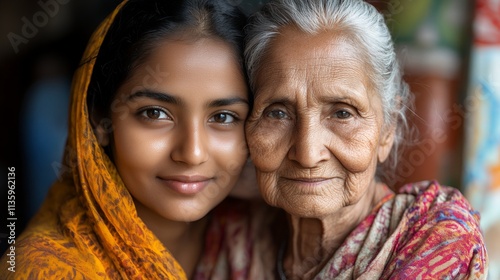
{"x": 386, "y": 141}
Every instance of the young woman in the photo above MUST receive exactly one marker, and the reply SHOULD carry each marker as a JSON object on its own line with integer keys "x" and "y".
{"x": 156, "y": 141}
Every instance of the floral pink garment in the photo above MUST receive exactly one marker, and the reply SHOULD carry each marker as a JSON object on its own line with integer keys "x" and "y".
{"x": 427, "y": 231}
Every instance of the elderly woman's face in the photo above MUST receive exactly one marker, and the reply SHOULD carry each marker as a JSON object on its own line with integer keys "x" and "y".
{"x": 316, "y": 132}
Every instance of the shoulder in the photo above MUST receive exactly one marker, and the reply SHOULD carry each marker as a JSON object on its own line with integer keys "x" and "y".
{"x": 39, "y": 266}
{"x": 439, "y": 234}
{"x": 434, "y": 204}
{"x": 48, "y": 255}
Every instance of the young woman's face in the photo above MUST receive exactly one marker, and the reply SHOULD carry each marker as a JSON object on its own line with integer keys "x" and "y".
{"x": 178, "y": 139}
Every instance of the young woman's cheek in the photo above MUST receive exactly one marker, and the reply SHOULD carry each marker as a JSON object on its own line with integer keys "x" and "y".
{"x": 138, "y": 145}
{"x": 229, "y": 149}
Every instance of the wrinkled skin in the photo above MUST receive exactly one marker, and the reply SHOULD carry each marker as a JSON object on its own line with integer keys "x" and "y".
{"x": 316, "y": 135}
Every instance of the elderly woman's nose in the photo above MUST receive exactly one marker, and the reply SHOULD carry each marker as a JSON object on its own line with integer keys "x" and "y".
{"x": 310, "y": 145}
{"x": 190, "y": 147}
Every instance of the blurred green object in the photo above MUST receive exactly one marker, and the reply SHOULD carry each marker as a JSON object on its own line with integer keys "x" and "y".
{"x": 430, "y": 23}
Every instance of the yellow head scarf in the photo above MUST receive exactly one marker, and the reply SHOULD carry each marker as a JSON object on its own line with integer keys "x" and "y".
{"x": 88, "y": 226}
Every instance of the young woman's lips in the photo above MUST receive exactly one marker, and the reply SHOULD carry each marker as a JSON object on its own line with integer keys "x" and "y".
{"x": 187, "y": 185}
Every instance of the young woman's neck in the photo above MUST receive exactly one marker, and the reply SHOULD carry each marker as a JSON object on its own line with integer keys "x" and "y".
{"x": 184, "y": 240}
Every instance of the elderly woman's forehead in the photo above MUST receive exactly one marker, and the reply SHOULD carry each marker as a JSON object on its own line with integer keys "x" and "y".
{"x": 293, "y": 51}
{"x": 292, "y": 43}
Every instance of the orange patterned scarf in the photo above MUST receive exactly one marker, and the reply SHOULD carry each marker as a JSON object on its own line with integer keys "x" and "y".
{"x": 88, "y": 226}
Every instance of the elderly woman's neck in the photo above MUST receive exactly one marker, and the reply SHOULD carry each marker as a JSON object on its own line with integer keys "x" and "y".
{"x": 313, "y": 241}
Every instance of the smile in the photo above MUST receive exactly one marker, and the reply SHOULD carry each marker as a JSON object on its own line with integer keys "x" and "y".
{"x": 308, "y": 182}
{"x": 186, "y": 185}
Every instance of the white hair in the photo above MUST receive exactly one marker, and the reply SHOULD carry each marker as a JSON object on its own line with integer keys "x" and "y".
{"x": 358, "y": 20}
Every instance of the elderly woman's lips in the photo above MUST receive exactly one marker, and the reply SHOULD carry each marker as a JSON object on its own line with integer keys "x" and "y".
{"x": 308, "y": 181}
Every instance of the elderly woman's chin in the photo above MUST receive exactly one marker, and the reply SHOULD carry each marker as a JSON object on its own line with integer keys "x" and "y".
{"x": 310, "y": 206}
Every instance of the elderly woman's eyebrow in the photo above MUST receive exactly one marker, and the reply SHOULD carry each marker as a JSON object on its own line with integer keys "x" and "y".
{"x": 160, "y": 96}
{"x": 346, "y": 90}
{"x": 338, "y": 99}
{"x": 278, "y": 100}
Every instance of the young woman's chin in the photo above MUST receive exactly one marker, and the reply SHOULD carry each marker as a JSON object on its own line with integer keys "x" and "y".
{"x": 178, "y": 211}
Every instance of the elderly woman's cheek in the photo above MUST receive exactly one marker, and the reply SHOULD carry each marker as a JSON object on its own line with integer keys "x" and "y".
{"x": 267, "y": 182}
{"x": 267, "y": 147}
{"x": 356, "y": 150}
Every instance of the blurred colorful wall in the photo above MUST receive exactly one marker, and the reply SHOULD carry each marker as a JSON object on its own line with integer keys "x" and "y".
{"x": 481, "y": 175}
{"x": 450, "y": 50}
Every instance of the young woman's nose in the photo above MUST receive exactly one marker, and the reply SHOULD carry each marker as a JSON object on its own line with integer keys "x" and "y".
{"x": 191, "y": 145}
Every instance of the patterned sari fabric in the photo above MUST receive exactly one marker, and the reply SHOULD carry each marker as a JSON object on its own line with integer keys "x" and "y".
{"x": 426, "y": 231}
{"x": 238, "y": 242}
{"x": 88, "y": 227}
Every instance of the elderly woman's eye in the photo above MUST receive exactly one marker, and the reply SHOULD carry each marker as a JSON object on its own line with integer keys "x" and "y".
{"x": 342, "y": 114}
{"x": 277, "y": 114}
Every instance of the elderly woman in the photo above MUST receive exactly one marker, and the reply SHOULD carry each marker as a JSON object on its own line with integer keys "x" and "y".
{"x": 329, "y": 113}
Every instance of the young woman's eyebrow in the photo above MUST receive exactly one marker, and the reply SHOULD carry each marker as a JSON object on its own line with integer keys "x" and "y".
{"x": 226, "y": 102}
{"x": 160, "y": 96}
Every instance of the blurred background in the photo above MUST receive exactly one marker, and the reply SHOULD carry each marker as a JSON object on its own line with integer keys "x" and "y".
{"x": 450, "y": 50}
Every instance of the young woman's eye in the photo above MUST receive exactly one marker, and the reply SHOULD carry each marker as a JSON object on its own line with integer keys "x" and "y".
{"x": 342, "y": 114}
{"x": 277, "y": 114}
{"x": 223, "y": 118}
{"x": 154, "y": 114}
